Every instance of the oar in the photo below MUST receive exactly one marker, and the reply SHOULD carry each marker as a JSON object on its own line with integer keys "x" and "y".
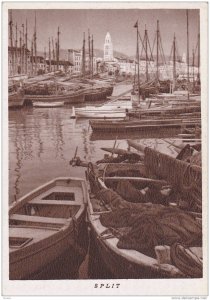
{"x": 141, "y": 179}
{"x": 114, "y": 146}
{"x": 136, "y": 145}
{"x": 75, "y": 153}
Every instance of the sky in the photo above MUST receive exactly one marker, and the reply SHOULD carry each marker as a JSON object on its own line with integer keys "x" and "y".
{"x": 119, "y": 22}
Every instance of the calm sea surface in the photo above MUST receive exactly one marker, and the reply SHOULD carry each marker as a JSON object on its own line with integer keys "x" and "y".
{"x": 42, "y": 141}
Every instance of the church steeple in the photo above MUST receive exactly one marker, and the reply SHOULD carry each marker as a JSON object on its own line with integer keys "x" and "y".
{"x": 108, "y": 48}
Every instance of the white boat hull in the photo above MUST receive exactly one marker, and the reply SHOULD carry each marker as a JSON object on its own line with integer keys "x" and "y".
{"x": 101, "y": 115}
{"x": 48, "y": 104}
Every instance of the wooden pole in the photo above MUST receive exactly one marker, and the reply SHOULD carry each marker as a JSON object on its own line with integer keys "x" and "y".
{"x": 20, "y": 52}
{"x": 11, "y": 45}
{"x": 35, "y": 46}
{"x": 157, "y": 50}
{"x": 137, "y": 32}
{"x": 58, "y": 51}
{"x": 146, "y": 40}
{"x": 32, "y": 57}
{"x": 92, "y": 55}
{"x": 188, "y": 79}
{"x": 89, "y": 51}
{"x": 16, "y": 50}
{"x": 139, "y": 179}
{"x": 23, "y": 54}
{"x": 83, "y": 55}
{"x": 53, "y": 54}
{"x": 193, "y": 64}
{"x": 49, "y": 56}
{"x": 174, "y": 62}
{"x": 26, "y": 47}
{"x": 45, "y": 56}
{"x": 199, "y": 55}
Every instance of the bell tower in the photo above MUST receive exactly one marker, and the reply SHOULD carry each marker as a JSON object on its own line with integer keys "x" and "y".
{"x": 108, "y": 48}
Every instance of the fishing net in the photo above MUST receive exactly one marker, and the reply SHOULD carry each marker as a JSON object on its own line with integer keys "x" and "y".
{"x": 153, "y": 225}
{"x": 185, "y": 177}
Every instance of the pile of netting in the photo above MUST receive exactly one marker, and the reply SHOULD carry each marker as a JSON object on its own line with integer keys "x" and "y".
{"x": 150, "y": 224}
{"x": 185, "y": 177}
{"x": 142, "y": 225}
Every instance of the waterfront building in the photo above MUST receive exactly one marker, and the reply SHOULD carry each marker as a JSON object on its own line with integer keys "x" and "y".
{"x": 18, "y": 61}
{"x": 63, "y": 65}
{"x": 75, "y": 58}
{"x": 108, "y": 48}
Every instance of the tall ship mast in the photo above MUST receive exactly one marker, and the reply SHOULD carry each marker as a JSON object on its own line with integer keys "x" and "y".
{"x": 35, "y": 46}
{"x": 58, "y": 49}
{"x": 188, "y": 62}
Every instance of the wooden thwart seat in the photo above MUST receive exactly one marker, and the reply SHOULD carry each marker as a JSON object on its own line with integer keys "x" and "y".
{"x": 37, "y": 219}
{"x": 52, "y": 202}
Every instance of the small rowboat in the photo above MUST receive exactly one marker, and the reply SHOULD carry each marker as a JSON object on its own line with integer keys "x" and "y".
{"x": 48, "y": 104}
{"x": 44, "y": 224}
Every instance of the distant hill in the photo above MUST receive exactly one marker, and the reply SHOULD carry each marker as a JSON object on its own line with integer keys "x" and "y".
{"x": 97, "y": 53}
{"x": 167, "y": 58}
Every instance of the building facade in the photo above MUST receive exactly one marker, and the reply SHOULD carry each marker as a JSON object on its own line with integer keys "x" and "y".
{"x": 75, "y": 58}
{"x": 18, "y": 61}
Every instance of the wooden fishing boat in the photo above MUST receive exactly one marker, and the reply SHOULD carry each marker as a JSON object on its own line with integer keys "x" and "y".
{"x": 98, "y": 94}
{"x": 15, "y": 98}
{"x": 141, "y": 125}
{"x": 106, "y": 239}
{"x": 44, "y": 224}
{"x": 67, "y": 98}
{"x": 48, "y": 104}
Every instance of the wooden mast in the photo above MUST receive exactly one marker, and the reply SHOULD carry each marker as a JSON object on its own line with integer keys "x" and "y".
{"x": 49, "y": 56}
{"x": 58, "y": 50}
{"x": 32, "y": 57}
{"x": 45, "y": 56}
{"x": 89, "y": 51}
{"x": 174, "y": 62}
{"x": 188, "y": 86}
{"x": 35, "y": 47}
{"x": 146, "y": 40}
{"x": 83, "y": 55}
{"x": 193, "y": 65}
{"x": 137, "y": 54}
{"x": 20, "y": 52}
{"x": 198, "y": 55}
{"x": 16, "y": 50}
{"x": 92, "y": 57}
{"x": 11, "y": 45}
{"x": 53, "y": 47}
{"x": 157, "y": 50}
{"x": 26, "y": 42}
{"x": 23, "y": 53}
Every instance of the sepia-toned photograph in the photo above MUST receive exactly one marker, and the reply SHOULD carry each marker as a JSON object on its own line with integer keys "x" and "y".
{"x": 105, "y": 132}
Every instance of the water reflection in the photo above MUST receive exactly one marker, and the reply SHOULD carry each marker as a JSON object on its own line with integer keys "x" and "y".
{"x": 19, "y": 157}
{"x": 42, "y": 142}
